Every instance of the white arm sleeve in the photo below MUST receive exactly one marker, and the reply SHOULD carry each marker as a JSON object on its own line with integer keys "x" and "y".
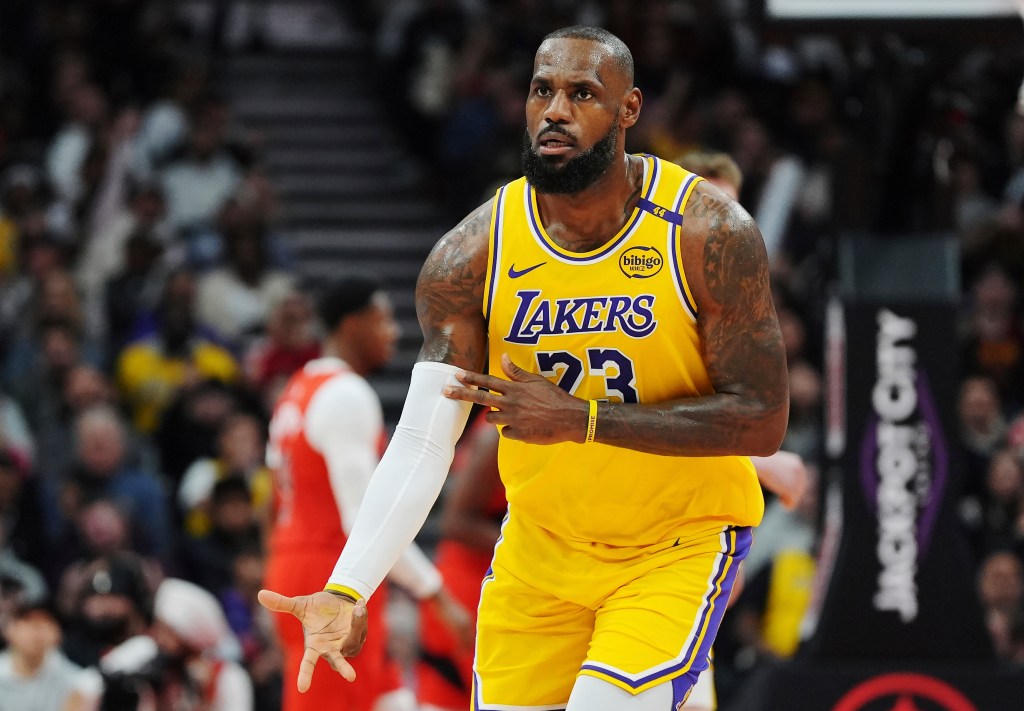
{"x": 407, "y": 481}
{"x": 343, "y": 423}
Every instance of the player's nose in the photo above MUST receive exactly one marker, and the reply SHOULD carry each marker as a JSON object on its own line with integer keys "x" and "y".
{"x": 559, "y": 109}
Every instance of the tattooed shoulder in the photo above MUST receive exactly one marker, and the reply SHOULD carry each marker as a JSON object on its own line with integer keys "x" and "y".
{"x": 450, "y": 287}
{"x": 723, "y": 251}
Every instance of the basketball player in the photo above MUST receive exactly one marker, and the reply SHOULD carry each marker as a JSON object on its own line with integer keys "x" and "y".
{"x": 325, "y": 438}
{"x": 622, "y": 308}
{"x": 470, "y": 523}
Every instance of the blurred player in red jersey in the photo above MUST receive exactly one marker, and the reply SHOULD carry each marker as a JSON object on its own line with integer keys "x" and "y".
{"x": 326, "y": 436}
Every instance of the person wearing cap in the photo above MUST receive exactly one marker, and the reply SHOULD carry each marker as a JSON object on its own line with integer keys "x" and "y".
{"x": 187, "y": 658}
{"x": 325, "y": 440}
{"x": 34, "y": 674}
{"x": 106, "y": 602}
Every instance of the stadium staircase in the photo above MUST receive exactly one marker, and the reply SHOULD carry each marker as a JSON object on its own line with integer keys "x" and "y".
{"x": 348, "y": 187}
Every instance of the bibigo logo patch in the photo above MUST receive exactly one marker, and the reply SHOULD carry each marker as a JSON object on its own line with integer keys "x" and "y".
{"x": 641, "y": 262}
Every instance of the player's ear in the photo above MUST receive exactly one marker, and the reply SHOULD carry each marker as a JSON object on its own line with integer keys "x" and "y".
{"x": 631, "y": 108}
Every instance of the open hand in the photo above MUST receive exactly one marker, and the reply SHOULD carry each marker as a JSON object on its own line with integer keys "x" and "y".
{"x": 333, "y": 627}
{"x": 529, "y": 406}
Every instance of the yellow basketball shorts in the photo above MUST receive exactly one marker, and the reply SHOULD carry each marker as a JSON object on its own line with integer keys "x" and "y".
{"x": 551, "y": 610}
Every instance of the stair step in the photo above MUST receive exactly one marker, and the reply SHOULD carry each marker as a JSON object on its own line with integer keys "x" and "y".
{"x": 262, "y": 66}
{"x": 361, "y": 211}
{"x": 368, "y": 241}
{"x": 327, "y": 135}
{"x": 310, "y": 188}
{"x": 396, "y": 273}
{"x": 344, "y": 160}
{"x": 338, "y": 108}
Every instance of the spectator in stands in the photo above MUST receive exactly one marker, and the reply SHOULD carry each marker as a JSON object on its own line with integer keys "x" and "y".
{"x": 241, "y": 445}
{"x": 993, "y": 342}
{"x": 1004, "y": 525}
{"x": 38, "y": 392}
{"x": 198, "y": 184}
{"x": 101, "y": 470}
{"x": 106, "y": 253}
{"x": 151, "y": 370}
{"x": 83, "y": 387}
{"x": 187, "y": 658}
{"x": 289, "y": 343}
{"x": 164, "y": 127}
{"x": 236, "y": 299}
{"x": 982, "y": 431}
{"x": 39, "y": 254}
{"x": 135, "y": 291}
{"x": 15, "y": 433}
{"x": 87, "y": 114}
{"x": 55, "y": 302}
{"x": 1001, "y": 590}
{"x": 106, "y": 601}
{"x": 22, "y": 538}
{"x": 191, "y": 426}
{"x": 34, "y": 674}
{"x": 234, "y": 527}
{"x": 252, "y": 625}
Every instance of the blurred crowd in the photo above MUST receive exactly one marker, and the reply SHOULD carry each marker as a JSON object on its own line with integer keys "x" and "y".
{"x": 149, "y": 310}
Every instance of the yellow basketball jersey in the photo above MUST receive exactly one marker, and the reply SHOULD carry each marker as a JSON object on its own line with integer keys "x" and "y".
{"x": 616, "y": 324}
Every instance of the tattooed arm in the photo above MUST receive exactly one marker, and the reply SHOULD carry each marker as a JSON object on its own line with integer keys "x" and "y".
{"x": 727, "y": 270}
{"x": 450, "y": 293}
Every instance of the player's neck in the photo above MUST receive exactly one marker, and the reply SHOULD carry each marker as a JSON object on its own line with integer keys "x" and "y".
{"x": 585, "y": 221}
{"x": 344, "y": 351}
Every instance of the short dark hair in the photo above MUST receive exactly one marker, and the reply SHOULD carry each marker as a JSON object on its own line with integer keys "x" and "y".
{"x": 346, "y": 295}
{"x": 619, "y": 51}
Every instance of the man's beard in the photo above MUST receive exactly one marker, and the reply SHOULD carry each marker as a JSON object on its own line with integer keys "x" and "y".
{"x": 574, "y": 175}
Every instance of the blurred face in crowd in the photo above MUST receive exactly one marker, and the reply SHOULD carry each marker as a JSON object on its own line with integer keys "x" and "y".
{"x": 177, "y": 309}
{"x": 58, "y": 296}
{"x": 291, "y": 321}
{"x": 793, "y": 334}
{"x": 60, "y": 350}
{"x": 241, "y": 442}
{"x": 804, "y": 388}
{"x": 979, "y": 404}
{"x": 101, "y": 445}
{"x": 104, "y": 528}
{"x": 33, "y": 634}
{"x": 1005, "y": 476}
{"x": 995, "y": 291}
{"x": 999, "y": 582}
{"x": 579, "y": 100}
{"x": 234, "y": 513}
{"x": 109, "y": 617}
{"x": 84, "y": 387}
{"x": 148, "y": 206}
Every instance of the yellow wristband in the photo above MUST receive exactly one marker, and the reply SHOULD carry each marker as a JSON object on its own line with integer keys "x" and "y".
{"x": 343, "y": 591}
{"x": 592, "y": 422}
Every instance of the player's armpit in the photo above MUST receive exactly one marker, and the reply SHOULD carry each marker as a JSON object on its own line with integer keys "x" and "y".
{"x": 450, "y": 294}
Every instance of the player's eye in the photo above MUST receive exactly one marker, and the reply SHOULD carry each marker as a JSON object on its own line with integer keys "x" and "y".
{"x": 542, "y": 91}
{"x": 584, "y": 94}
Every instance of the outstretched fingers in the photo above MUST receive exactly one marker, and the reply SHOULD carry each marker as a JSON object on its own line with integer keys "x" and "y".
{"x": 276, "y": 602}
{"x": 306, "y": 668}
{"x": 340, "y": 664}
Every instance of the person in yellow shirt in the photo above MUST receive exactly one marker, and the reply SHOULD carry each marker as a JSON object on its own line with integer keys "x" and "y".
{"x": 150, "y": 371}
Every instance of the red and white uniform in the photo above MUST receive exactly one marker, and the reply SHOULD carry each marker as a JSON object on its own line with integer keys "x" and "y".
{"x": 326, "y": 436}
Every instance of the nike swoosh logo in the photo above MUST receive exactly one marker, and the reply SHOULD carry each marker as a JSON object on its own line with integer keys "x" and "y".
{"x": 513, "y": 274}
